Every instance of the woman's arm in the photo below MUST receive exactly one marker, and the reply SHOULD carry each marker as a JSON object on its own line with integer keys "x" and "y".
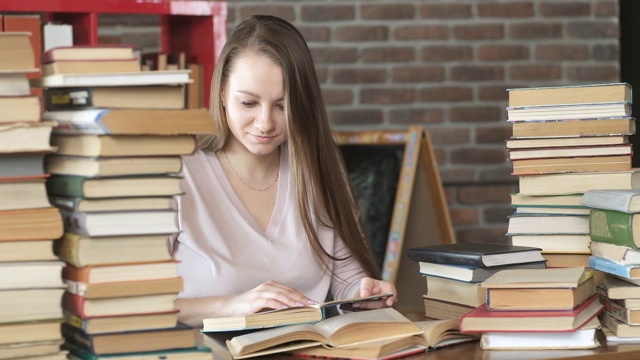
{"x": 268, "y": 295}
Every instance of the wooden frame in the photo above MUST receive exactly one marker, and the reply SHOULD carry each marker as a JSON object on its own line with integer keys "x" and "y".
{"x": 420, "y": 213}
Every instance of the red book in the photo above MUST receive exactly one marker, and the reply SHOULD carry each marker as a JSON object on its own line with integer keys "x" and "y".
{"x": 482, "y": 319}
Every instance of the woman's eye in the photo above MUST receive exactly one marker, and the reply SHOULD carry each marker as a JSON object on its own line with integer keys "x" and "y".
{"x": 247, "y": 103}
{"x": 280, "y": 107}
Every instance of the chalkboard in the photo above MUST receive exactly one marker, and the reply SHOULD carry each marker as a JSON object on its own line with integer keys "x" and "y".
{"x": 397, "y": 183}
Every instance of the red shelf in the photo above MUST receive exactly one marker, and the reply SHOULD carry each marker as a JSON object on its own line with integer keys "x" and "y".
{"x": 196, "y": 27}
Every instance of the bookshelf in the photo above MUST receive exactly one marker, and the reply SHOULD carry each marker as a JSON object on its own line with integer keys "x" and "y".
{"x": 196, "y": 27}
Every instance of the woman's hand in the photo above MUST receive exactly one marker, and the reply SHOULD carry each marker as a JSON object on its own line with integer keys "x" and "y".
{"x": 370, "y": 286}
{"x": 268, "y": 295}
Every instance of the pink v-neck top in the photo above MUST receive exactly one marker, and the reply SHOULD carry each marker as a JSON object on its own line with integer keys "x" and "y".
{"x": 222, "y": 250}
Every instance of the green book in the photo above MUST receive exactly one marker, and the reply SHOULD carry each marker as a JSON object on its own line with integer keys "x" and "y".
{"x": 113, "y": 187}
{"x": 614, "y": 227}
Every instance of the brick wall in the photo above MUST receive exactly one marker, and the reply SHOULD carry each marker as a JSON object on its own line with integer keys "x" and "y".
{"x": 446, "y": 65}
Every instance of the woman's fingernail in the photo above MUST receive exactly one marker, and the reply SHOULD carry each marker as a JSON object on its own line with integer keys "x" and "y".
{"x": 312, "y": 302}
{"x": 299, "y": 303}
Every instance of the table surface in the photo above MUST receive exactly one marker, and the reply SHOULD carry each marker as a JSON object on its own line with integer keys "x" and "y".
{"x": 472, "y": 351}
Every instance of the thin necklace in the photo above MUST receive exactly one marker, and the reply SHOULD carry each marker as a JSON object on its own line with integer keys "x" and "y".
{"x": 233, "y": 170}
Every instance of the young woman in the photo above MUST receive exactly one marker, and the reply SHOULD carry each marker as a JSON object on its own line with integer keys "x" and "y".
{"x": 268, "y": 218}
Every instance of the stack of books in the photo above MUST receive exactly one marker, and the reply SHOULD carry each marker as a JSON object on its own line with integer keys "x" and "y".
{"x": 566, "y": 140}
{"x": 30, "y": 282}
{"x": 454, "y": 273}
{"x": 114, "y": 178}
{"x": 615, "y": 251}
{"x": 537, "y": 309}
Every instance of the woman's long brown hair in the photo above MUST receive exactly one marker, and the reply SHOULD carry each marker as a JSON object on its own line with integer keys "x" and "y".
{"x": 322, "y": 184}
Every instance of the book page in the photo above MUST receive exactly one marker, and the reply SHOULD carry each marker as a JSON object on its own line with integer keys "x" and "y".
{"x": 530, "y": 278}
{"x": 264, "y": 339}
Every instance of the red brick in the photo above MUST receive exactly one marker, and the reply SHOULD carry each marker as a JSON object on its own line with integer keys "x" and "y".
{"x": 478, "y": 32}
{"x": 362, "y": 33}
{"x": 593, "y": 73}
{"x": 320, "y": 13}
{"x": 286, "y": 12}
{"x": 606, "y": 52}
{"x": 483, "y": 235}
{"x": 535, "y": 31}
{"x": 565, "y": 9}
{"x": 334, "y": 55}
{"x": 417, "y": 73}
{"x": 500, "y": 174}
{"x": 333, "y": 96}
{"x": 421, "y": 32}
{"x": 446, "y": 11}
{"x": 607, "y": 8}
{"x": 415, "y": 116}
{"x": 388, "y": 54}
{"x": 593, "y": 30}
{"x": 393, "y": 11}
{"x": 358, "y": 75}
{"x": 480, "y": 194}
{"x": 315, "y": 33}
{"x": 449, "y": 135}
{"x": 387, "y": 96}
{"x": 450, "y": 193}
{"x": 447, "y": 53}
{"x": 464, "y": 216}
{"x": 497, "y": 215}
{"x": 535, "y": 72}
{"x": 477, "y": 73}
{"x": 446, "y": 93}
{"x": 356, "y": 117}
{"x": 505, "y": 10}
{"x": 477, "y": 156}
{"x": 503, "y": 52}
{"x": 475, "y": 114}
{"x": 560, "y": 52}
{"x": 457, "y": 175}
{"x": 493, "y": 93}
{"x": 322, "y": 73}
{"x": 493, "y": 135}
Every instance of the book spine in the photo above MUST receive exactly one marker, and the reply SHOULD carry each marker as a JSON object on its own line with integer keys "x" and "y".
{"x": 73, "y": 304}
{"x": 67, "y": 248}
{"x": 618, "y": 201}
{"x": 77, "y": 336}
{"x": 75, "y": 222}
{"x": 612, "y": 227}
{"x": 616, "y": 310}
{"x": 457, "y": 258}
{"x": 609, "y": 266}
{"x": 66, "y": 186}
{"x": 78, "y": 122}
{"x": 64, "y": 203}
{"x": 68, "y": 98}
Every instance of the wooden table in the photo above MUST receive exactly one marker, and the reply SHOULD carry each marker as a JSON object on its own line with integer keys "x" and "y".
{"x": 472, "y": 351}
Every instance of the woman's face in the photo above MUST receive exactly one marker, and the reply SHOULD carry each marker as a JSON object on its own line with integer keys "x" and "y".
{"x": 254, "y": 103}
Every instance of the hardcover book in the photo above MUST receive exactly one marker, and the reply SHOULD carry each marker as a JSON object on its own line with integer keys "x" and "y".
{"x": 19, "y": 224}
{"x": 617, "y": 253}
{"x": 474, "y": 274}
{"x": 627, "y": 271}
{"x": 575, "y": 183}
{"x": 119, "y": 223}
{"x": 166, "y": 77}
{"x": 99, "y": 274}
{"x": 132, "y": 121}
{"x": 280, "y": 317}
{"x": 124, "y": 288}
{"x": 543, "y": 224}
{"x": 623, "y": 200}
{"x": 572, "y": 94}
{"x": 481, "y": 319}
{"x": 112, "y": 166}
{"x": 614, "y": 227}
{"x": 539, "y": 289}
{"x": 25, "y": 137}
{"x": 475, "y": 254}
{"x": 178, "y": 337}
{"x": 566, "y": 128}
{"x": 119, "y": 97}
{"x": 86, "y": 187}
{"x": 111, "y": 324}
{"x": 119, "y": 306}
{"x": 123, "y": 145}
{"x": 79, "y": 250}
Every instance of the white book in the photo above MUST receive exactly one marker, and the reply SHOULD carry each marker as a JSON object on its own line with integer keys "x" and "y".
{"x": 167, "y": 77}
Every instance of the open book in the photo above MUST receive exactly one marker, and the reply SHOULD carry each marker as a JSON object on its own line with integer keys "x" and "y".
{"x": 351, "y": 329}
{"x": 280, "y": 317}
{"x": 435, "y": 334}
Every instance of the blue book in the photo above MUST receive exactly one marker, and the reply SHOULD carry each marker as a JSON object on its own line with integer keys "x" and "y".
{"x": 627, "y": 271}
